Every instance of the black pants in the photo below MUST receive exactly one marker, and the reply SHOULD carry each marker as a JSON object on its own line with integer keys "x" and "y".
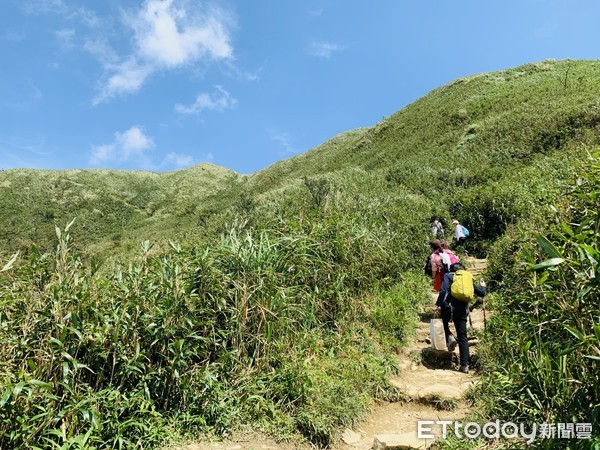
{"x": 458, "y": 312}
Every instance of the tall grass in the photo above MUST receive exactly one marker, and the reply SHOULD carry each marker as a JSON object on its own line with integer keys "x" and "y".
{"x": 546, "y": 335}
{"x": 202, "y": 337}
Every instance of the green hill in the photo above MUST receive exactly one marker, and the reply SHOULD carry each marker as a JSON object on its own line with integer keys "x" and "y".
{"x": 276, "y": 299}
{"x": 110, "y": 206}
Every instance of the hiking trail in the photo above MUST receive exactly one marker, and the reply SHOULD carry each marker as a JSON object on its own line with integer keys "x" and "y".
{"x": 434, "y": 390}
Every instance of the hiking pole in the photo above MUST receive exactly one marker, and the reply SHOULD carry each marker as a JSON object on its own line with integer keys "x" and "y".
{"x": 484, "y": 314}
{"x": 482, "y": 283}
{"x": 470, "y": 320}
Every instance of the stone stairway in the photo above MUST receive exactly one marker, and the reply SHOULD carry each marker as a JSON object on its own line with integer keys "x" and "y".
{"x": 434, "y": 389}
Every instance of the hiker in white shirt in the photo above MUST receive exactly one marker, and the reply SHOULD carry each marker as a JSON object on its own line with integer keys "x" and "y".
{"x": 459, "y": 234}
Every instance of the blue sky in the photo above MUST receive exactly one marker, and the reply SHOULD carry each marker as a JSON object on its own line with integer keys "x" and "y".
{"x": 166, "y": 84}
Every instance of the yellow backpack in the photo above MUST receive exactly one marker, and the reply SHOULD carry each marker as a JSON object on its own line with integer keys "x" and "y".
{"x": 462, "y": 287}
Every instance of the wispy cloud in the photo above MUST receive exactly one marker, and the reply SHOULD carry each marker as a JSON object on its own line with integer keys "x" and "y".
{"x": 20, "y": 144}
{"x": 13, "y": 36}
{"x": 86, "y": 16}
{"x": 168, "y": 34}
{"x": 284, "y": 140}
{"x": 219, "y": 100}
{"x": 18, "y": 151}
{"x": 39, "y": 7}
{"x": 128, "y": 145}
{"x": 64, "y": 9}
{"x": 35, "y": 93}
{"x": 65, "y": 37}
{"x": 102, "y": 51}
{"x": 323, "y": 49}
{"x": 177, "y": 161}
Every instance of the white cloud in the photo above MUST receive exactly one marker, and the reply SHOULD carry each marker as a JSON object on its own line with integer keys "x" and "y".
{"x": 128, "y": 77}
{"x": 177, "y": 161}
{"x": 283, "y": 139}
{"x": 219, "y": 100}
{"x": 130, "y": 144}
{"x": 133, "y": 141}
{"x": 65, "y": 37}
{"x": 103, "y": 153}
{"x": 323, "y": 49}
{"x": 168, "y": 34}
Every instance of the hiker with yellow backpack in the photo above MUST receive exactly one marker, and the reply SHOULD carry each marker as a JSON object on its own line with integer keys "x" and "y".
{"x": 457, "y": 291}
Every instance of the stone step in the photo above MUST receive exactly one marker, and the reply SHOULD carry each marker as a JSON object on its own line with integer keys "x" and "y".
{"x": 441, "y": 394}
{"x": 400, "y": 441}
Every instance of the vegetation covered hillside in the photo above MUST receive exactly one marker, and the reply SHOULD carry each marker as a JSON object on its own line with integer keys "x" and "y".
{"x": 478, "y": 148}
{"x": 276, "y": 299}
{"x": 108, "y": 205}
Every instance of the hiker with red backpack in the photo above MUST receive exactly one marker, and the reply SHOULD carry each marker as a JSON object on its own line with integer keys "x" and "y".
{"x": 457, "y": 291}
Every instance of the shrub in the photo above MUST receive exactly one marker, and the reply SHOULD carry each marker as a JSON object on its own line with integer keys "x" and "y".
{"x": 546, "y": 341}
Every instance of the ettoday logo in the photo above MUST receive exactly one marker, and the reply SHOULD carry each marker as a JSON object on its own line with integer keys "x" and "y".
{"x": 506, "y": 430}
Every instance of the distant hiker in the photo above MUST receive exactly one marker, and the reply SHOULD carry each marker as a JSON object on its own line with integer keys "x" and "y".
{"x": 440, "y": 263}
{"x": 460, "y": 233}
{"x": 437, "y": 229}
{"x": 457, "y": 290}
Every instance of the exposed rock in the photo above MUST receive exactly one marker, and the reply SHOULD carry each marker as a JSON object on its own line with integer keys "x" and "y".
{"x": 399, "y": 441}
{"x": 350, "y": 437}
{"x": 440, "y": 391}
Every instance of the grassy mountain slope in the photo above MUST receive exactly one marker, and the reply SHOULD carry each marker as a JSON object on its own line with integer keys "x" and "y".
{"x": 109, "y": 206}
{"x": 480, "y": 148}
{"x": 294, "y": 285}
{"x": 459, "y": 133}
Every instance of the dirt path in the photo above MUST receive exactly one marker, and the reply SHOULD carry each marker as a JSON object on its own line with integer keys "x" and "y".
{"x": 434, "y": 389}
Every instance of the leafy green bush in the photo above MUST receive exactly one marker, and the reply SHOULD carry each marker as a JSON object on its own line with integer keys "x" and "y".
{"x": 204, "y": 337}
{"x": 546, "y": 337}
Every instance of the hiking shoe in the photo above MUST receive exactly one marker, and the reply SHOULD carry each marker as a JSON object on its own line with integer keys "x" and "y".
{"x": 451, "y": 343}
{"x": 464, "y": 369}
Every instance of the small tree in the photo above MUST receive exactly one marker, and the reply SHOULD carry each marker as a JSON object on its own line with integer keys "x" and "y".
{"x": 319, "y": 189}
